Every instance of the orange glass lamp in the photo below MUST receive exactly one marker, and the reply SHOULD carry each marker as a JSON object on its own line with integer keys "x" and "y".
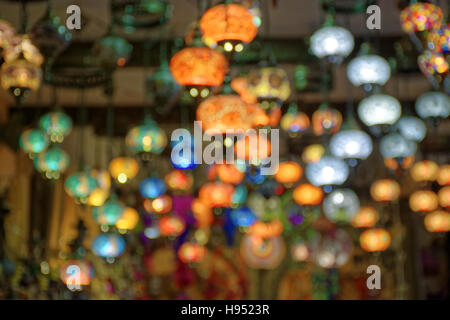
{"x": 216, "y": 194}
{"x": 444, "y": 197}
{"x": 424, "y": 171}
{"x": 76, "y": 273}
{"x": 225, "y": 112}
{"x": 385, "y": 190}
{"x": 423, "y": 201}
{"x": 190, "y": 252}
{"x": 313, "y": 153}
{"x": 308, "y": 195}
{"x": 171, "y": 226}
{"x": 253, "y": 148}
{"x": 375, "y": 240}
{"x": 326, "y": 120}
{"x": 443, "y": 177}
{"x": 229, "y": 26}
{"x": 288, "y": 172}
{"x": 392, "y": 164}
{"x": 240, "y": 85}
{"x": 161, "y": 204}
{"x": 202, "y": 213}
{"x": 199, "y": 69}
{"x": 366, "y": 217}
{"x": 123, "y": 168}
{"x": 266, "y": 230}
{"x": 179, "y": 180}
{"x": 129, "y": 219}
{"x": 437, "y": 221}
{"x": 229, "y": 173}
{"x": 294, "y": 121}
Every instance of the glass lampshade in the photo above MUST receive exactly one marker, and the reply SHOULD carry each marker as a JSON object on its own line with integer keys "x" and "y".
{"x": 412, "y": 128}
{"x": 368, "y": 69}
{"x": 52, "y": 162}
{"x": 327, "y": 171}
{"x": 379, "y": 109}
{"x": 56, "y": 124}
{"x": 108, "y": 245}
{"x": 332, "y": 41}
{"x": 341, "y": 205}
{"x": 351, "y": 144}
{"x": 395, "y": 145}
{"x": 433, "y": 105}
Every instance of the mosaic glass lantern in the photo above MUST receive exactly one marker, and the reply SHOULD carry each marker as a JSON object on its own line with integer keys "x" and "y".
{"x": 379, "y": 109}
{"x": 108, "y": 245}
{"x": 240, "y": 86}
{"x": 202, "y": 213}
{"x": 152, "y": 187}
{"x": 437, "y": 221}
{"x": 190, "y": 252}
{"x": 171, "y": 226}
{"x": 178, "y": 180}
{"x": 423, "y": 201}
{"x": 432, "y": 63}
{"x": 228, "y": 25}
{"x": 395, "y": 145}
{"x": 270, "y": 85}
{"x": 100, "y": 194}
{"x": 179, "y": 158}
{"x": 262, "y": 254}
{"x": 75, "y": 273}
{"x": 331, "y": 250}
{"x": 439, "y": 40}
{"x": 443, "y": 177}
{"x": 341, "y": 205}
{"x": 332, "y": 42}
{"x": 327, "y": 171}
{"x": 242, "y": 217}
{"x": 146, "y": 138}
{"x": 56, "y": 124}
{"x": 112, "y": 51}
{"x": 288, "y": 172}
{"x": 159, "y": 205}
{"x": 425, "y": 170}
{"x": 199, "y": 69}
{"x": 253, "y": 147}
{"x": 444, "y": 197}
{"x": 294, "y": 121}
{"x": 368, "y": 70}
{"x": 80, "y": 185}
{"x": 433, "y": 105}
{"x": 266, "y": 230}
{"x": 231, "y": 173}
{"x": 385, "y": 190}
{"x": 351, "y": 144}
{"x": 22, "y": 46}
{"x": 366, "y": 217}
{"x": 216, "y": 194}
{"x": 223, "y": 113}
{"x": 375, "y": 240}
{"x": 326, "y": 120}
{"x": 411, "y": 128}
{"x": 20, "y": 75}
{"x": 7, "y": 33}
{"x": 313, "y": 153}
{"x": 109, "y": 213}
{"x": 123, "y": 168}
{"x": 308, "y": 195}
{"x": 33, "y": 141}
{"x": 52, "y": 162}
{"x": 420, "y": 17}
{"x": 129, "y": 219}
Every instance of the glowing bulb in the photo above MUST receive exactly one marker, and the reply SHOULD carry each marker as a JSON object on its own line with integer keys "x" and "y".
{"x": 122, "y": 178}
